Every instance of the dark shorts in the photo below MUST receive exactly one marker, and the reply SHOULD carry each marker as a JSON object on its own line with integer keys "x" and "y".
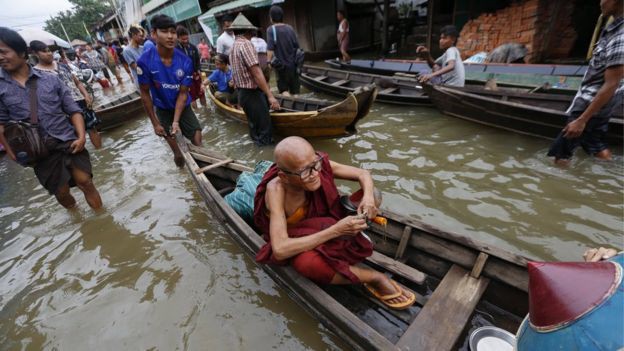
{"x": 188, "y": 121}
{"x": 592, "y": 140}
{"x": 54, "y": 171}
{"x": 88, "y": 115}
{"x": 288, "y": 80}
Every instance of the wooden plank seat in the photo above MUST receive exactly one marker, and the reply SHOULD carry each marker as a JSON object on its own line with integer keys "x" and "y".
{"x": 397, "y": 267}
{"x": 389, "y": 90}
{"x": 340, "y": 82}
{"x": 450, "y": 306}
{"x": 320, "y": 78}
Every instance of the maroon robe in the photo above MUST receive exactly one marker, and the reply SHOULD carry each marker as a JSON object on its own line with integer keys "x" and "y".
{"x": 324, "y": 210}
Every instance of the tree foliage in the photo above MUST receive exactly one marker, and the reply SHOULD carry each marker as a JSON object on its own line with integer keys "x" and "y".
{"x": 87, "y": 11}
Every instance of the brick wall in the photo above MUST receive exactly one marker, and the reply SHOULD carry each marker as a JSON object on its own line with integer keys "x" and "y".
{"x": 544, "y": 26}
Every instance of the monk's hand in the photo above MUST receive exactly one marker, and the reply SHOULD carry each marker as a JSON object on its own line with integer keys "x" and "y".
{"x": 351, "y": 225}
{"x": 368, "y": 206}
{"x": 599, "y": 254}
{"x": 574, "y": 129}
{"x": 77, "y": 145}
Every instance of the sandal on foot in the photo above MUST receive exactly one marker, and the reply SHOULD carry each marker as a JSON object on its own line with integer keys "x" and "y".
{"x": 411, "y": 297}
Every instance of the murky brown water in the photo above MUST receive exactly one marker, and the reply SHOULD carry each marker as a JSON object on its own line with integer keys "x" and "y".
{"x": 157, "y": 271}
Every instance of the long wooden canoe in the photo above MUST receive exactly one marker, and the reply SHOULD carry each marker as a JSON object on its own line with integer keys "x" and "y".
{"x": 119, "y": 111}
{"x": 461, "y": 284}
{"x": 310, "y": 117}
{"x": 540, "y": 115}
{"x": 393, "y": 90}
{"x": 408, "y": 68}
{"x": 390, "y": 67}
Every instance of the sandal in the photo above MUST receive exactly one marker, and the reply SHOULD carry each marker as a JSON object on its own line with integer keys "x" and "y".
{"x": 411, "y": 297}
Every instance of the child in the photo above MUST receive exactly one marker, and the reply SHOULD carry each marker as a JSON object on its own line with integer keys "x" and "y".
{"x": 222, "y": 79}
{"x": 448, "y": 67}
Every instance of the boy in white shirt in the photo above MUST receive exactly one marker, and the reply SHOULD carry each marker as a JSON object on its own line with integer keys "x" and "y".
{"x": 449, "y": 67}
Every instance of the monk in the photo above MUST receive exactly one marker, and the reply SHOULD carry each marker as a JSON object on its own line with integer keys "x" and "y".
{"x": 297, "y": 209}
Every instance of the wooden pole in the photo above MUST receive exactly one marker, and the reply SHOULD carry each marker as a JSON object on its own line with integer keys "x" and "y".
{"x": 590, "y": 50}
{"x": 429, "y": 23}
{"x": 64, "y": 31}
{"x": 384, "y": 39}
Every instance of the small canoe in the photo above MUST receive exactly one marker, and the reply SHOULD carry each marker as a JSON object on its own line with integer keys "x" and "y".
{"x": 310, "y": 118}
{"x": 460, "y": 283}
{"x": 535, "y": 114}
{"x": 119, "y": 111}
{"x": 393, "y": 90}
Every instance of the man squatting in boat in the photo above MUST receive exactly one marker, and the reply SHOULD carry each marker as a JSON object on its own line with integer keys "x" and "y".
{"x": 297, "y": 208}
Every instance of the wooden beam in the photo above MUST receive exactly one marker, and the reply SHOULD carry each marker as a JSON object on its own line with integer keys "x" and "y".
{"x": 479, "y": 264}
{"x": 384, "y": 37}
{"x": 450, "y": 306}
{"x": 340, "y": 82}
{"x": 214, "y": 165}
{"x": 397, "y": 267}
{"x": 407, "y": 232}
{"x": 429, "y": 23}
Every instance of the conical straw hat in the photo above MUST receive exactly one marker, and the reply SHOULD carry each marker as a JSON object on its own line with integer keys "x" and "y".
{"x": 242, "y": 23}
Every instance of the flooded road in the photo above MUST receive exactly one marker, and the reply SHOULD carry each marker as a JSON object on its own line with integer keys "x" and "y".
{"x": 156, "y": 270}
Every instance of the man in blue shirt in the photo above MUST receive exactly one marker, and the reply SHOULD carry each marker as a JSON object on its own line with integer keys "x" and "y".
{"x": 165, "y": 76}
{"x": 222, "y": 79}
{"x": 61, "y": 125}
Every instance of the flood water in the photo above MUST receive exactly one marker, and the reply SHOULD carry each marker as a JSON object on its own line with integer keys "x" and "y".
{"x": 156, "y": 270}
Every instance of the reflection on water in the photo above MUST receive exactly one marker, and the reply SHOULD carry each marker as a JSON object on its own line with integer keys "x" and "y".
{"x": 157, "y": 271}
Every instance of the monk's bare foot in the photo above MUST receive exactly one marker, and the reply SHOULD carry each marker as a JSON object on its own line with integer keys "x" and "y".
{"x": 384, "y": 287}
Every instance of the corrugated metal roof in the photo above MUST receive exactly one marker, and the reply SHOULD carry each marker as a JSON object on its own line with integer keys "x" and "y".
{"x": 209, "y": 22}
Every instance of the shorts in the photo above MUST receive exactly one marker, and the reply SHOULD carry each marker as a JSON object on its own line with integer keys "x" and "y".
{"x": 188, "y": 121}
{"x": 288, "y": 80}
{"x": 592, "y": 140}
{"x": 90, "y": 118}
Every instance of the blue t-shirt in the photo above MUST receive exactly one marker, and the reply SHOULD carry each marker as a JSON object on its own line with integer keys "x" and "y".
{"x": 222, "y": 79}
{"x": 165, "y": 81}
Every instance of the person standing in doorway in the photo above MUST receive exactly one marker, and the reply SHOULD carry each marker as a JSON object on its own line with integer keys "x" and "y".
{"x": 184, "y": 44}
{"x": 343, "y": 36}
{"x": 78, "y": 92}
{"x": 253, "y": 90}
{"x": 600, "y": 96}
{"x": 282, "y": 48}
{"x": 61, "y": 125}
{"x": 133, "y": 51}
{"x": 225, "y": 41}
{"x": 165, "y": 77}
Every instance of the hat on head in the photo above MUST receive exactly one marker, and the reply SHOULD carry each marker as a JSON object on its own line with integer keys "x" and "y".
{"x": 241, "y": 23}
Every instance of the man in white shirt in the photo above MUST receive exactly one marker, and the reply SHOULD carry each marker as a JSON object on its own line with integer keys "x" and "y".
{"x": 226, "y": 39}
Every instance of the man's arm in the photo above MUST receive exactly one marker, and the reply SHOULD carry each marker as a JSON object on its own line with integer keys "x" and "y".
{"x": 423, "y": 52}
{"x": 258, "y": 76}
{"x": 179, "y": 107}
{"x": 362, "y": 176}
{"x": 613, "y": 75}
{"x": 83, "y": 92}
{"x": 448, "y": 68}
{"x": 78, "y": 122}
{"x": 284, "y": 246}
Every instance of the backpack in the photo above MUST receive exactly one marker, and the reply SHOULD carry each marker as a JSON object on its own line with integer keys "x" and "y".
{"x": 299, "y": 55}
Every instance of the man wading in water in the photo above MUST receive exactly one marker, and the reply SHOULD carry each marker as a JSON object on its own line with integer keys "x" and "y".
{"x": 68, "y": 163}
{"x": 165, "y": 76}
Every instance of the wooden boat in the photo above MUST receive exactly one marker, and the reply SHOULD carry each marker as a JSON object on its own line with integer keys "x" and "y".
{"x": 394, "y": 90}
{"x": 473, "y": 283}
{"x": 120, "y": 110}
{"x": 540, "y": 115}
{"x": 310, "y": 117}
{"x": 390, "y": 67}
{"x": 413, "y": 68}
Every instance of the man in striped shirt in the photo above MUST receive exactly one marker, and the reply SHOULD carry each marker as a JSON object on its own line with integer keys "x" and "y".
{"x": 253, "y": 90}
{"x": 600, "y": 96}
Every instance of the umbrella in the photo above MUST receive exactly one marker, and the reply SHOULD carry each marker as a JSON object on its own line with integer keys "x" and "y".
{"x": 78, "y": 42}
{"x": 30, "y": 34}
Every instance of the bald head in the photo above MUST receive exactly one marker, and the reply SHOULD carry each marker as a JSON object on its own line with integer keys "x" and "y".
{"x": 293, "y": 153}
